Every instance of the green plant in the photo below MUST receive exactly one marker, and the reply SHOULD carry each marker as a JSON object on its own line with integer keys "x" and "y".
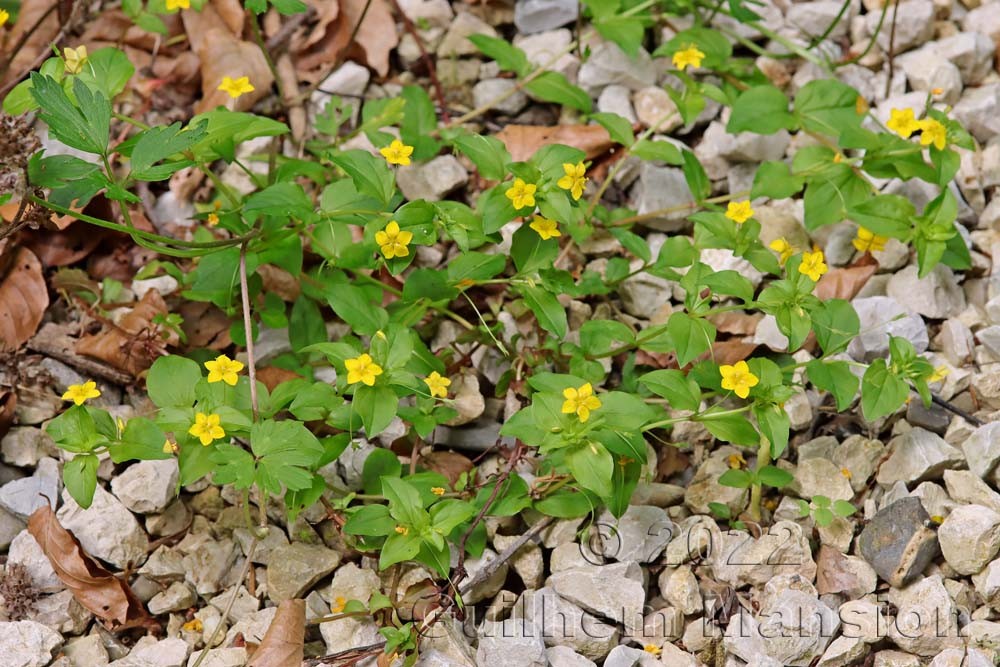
{"x": 335, "y": 220}
{"x": 824, "y": 511}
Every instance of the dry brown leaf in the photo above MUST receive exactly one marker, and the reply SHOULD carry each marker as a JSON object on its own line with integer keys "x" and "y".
{"x": 272, "y": 376}
{"x": 279, "y": 281}
{"x": 69, "y": 246}
{"x": 730, "y": 351}
{"x": 326, "y": 13}
{"x": 205, "y": 325}
{"x": 23, "y": 300}
{"x": 375, "y": 38}
{"x": 656, "y": 359}
{"x": 282, "y": 645}
{"x": 8, "y": 405}
{"x": 198, "y": 25}
{"x": 31, "y": 11}
{"x": 449, "y": 464}
{"x": 523, "y": 140}
{"x": 223, "y": 55}
{"x": 736, "y": 323}
{"x": 419, "y": 600}
{"x": 847, "y": 282}
{"x": 833, "y": 572}
{"x": 96, "y": 589}
{"x": 670, "y": 462}
{"x": 132, "y": 345}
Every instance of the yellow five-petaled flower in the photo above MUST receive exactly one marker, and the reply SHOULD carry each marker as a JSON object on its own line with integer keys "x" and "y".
{"x": 397, "y": 153}
{"x": 362, "y": 369}
{"x": 690, "y": 55}
{"x": 393, "y": 241}
{"x": 933, "y": 132}
{"x": 223, "y": 369}
{"x": 170, "y": 447}
{"x": 783, "y": 248}
{"x": 521, "y": 194}
{"x": 206, "y": 428}
{"x": 4, "y": 17}
{"x": 580, "y": 401}
{"x": 173, "y": 5}
{"x": 940, "y": 373}
{"x": 75, "y": 59}
{"x": 902, "y": 122}
{"x": 739, "y": 211}
{"x": 437, "y": 384}
{"x": 652, "y": 649}
{"x": 546, "y": 228}
{"x": 236, "y": 87}
{"x": 738, "y": 378}
{"x": 338, "y": 604}
{"x": 574, "y": 179}
{"x": 868, "y": 241}
{"x": 438, "y": 490}
{"x": 79, "y": 393}
{"x": 812, "y": 265}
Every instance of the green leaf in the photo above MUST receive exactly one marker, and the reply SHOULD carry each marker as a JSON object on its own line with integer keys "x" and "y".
{"x": 548, "y": 311}
{"x": 774, "y": 423}
{"x": 404, "y": 500}
{"x": 376, "y": 406}
{"x": 734, "y": 428}
{"x": 475, "y": 266}
{"x": 227, "y": 129}
{"x": 171, "y": 381}
{"x": 566, "y": 504}
{"x": 371, "y": 175}
{"x": 835, "y": 377}
{"x": 886, "y": 215}
{"x": 828, "y": 106}
{"x": 305, "y": 324}
{"x": 419, "y": 123}
{"x": 430, "y": 284}
{"x": 142, "y": 440}
{"x": 80, "y": 478}
{"x": 285, "y": 452}
{"x": 85, "y": 128}
{"x": 843, "y": 508}
{"x": 380, "y": 464}
{"x": 281, "y": 200}
{"x": 618, "y": 128}
{"x": 697, "y": 179}
{"x": 663, "y": 151}
{"x": 882, "y": 392}
{"x": 234, "y": 465}
{"x": 530, "y": 252}
{"x": 836, "y": 323}
{"x": 761, "y": 109}
{"x": 370, "y": 521}
{"x": 735, "y": 478}
{"x": 352, "y": 305}
{"x": 507, "y": 56}
{"x": 625, "y": 31}
{"x": 158, "y": 143}
{"x": 397, "y": 549}
{"x": 601, "y": 336}
{"x": 107, "y": 70}
{"x": 774, "y": 476}
{"x": 554, "y": 87}
{"x": 592, "y": 466}
{"x": 681, "y": 390}
{"x": 692, "y": 337}
{"x": 488, "y": 153}
{"x": 775, "y": 180}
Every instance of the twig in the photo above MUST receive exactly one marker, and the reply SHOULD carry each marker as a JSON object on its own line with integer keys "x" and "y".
{"x": 60, "y": 347}
{"x": 428, "y": 61}
{"x": 248, "y": 330}
{"x": 17, "y": 222}
{"x": 954, "y": 409}
{"x": 892, "y": 47}
{"x": 506, "y": 554}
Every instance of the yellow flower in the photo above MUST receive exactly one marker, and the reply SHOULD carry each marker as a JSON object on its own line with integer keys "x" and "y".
{"x": 838, "y": 158}
{"x": 393, "y": 241}
{"x": 236, "y": 87}
{"x": 206, "y": 428}
{"x": 738, "y": 378}
{"x": 362, "y": 369}
{"x": 938, "y": 519}
{"x": 223, "y": 369}
{"x": 736, "y": 461}
{"x": 521, "y": 194}
{"x": 812, "y": 265}
{"x": 397, "y": 153}
{"x": 933, "y": 132}
{"x": 902, "y": 122}
{"x": 547, "y": 229}
{"x": 338, "y": 605}
{"x": 178, "y": 4}
{"x": 194, "y": 625}
{"x": 652, "y": 649}
{"x": 580, "y": 401}
{"x": 846, "y": 473}
{"x": 437, "y": 490}
{"x": 170, "y": 447}
{"x": 438, "y": 384}
{"x": 79, "y": 393}
{"x": 120, "y": 423}
{"x": 402, "y": 530}
{"x": 688, "y": 56}
{"x": 783, "y": 248}
{"x": 574, "y": 180}
{"x": 213, "y": 219}
{"x": 4, "y": 17}
{"x": 868, "y": 241}
{"x": 75, "y": 59}
{"x": 940, "y": 373}
{"x": 739, "y": 212}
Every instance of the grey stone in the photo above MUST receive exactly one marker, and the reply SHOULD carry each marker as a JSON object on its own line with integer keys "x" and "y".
{"x": 859, "y": 456}
{"x": 796, "y": 628}
{"x": 971, "y": 52}
{"x": 895, "y": 659}
{"x": 10, "y": 527}
{"x": 641, "y": 534}
{"x": 177, "y": 597}
{"x": 274, "y": 539}
{"x": 626, "y": 656}
{"x": 163, "y": 285}
{"x": 528, "y": 561}
{"x": 21, "y": 497}
{"x": 813, "y": 18}
{"x": 608, "y": 65}
{"x": 27, "y": 644}
{"x": 86, "y": 651}
{"x": 926, "y": 620}
{"x": 25, "y": 551}
{"x": 351, "y": 583}
{"x": 615, "y": 99}
{"x": 966, "y": 487}
{"x": 511, "y": 643}
{"x": 164, "y": 565}
{"x": 433, "y": 180}
{"x": 984, "y": 19}
{"x": 559, "y": 622}
{"x": 487, "y": 90}
{"x": 437, "y": 13}
{"x": 147, "y": 487}
{"x": 880, "y": 317}
{"x": 821, "y": 477}
{"x": 612, "y": 591}
{"x": 106, "y": 529}
{"x": 531, "y": 16}
{"x": 660, "y": 188}
{"x": 206, "y": 561}
{"x": 957, "y": 343}
{"x": 655, "y": 110}
{"x": 982, "y": 449}
{"x": 970, "y": 538}
{"x": 937, "y": 295}
{"x": 926, "y": 70}
{"x": 148, "y": 652}
{"x": 932, "y": 418}
{"x": 293, "y": 569}
{"x": 743, "y": 146}
{"x": 918, "y": 455}
{"x": 863, "y": 619}
{"x": 913, "y": 26}
{"x": 24, "y": 446}
{"x": 680, "y": 588}
{"x": 220, "y": 657}
{"x": 704, "y": 487}
{"x": 564, "y": 656}
{"x": 898, "y": 543}
{"x": 979, "y": 111}
{"x": 455, "y": 42}
{"x": 242, "y": 607}
{"x": 740, "y": 559}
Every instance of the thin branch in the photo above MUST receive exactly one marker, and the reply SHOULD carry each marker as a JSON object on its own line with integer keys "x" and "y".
{"x": 428, "y": 61}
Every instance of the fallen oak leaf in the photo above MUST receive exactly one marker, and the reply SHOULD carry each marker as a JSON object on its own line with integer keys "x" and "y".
{"x": 845, "y": 283}
{"x": 366, "y": 24}
{"x": 523, "y": 140}
{"x": 449, "y": 464}
{"x": 282, "y": 645}
{"x": 96, "y": 589}
{"x": 223, "y": 55}
{"x": 23, "y": 300}
{"x": 134, "y": 343}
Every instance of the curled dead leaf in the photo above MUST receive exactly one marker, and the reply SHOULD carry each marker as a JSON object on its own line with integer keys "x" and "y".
{"x": 845, "y": 283}
{"x": 523, "y": 140}
{"x": 736, "y": 323}
{"x": 449, "y": 464}
{"x": 732, "y": 350}
{"x": 282, "y": 645}
{"x": 96, "y": 589}
{"x": 23, "y": 300}
{"x": 374, "y": 38}
{"x": 272, "y": 376}
{"x": 205, "y": 325}
{"x": 223, "y": 55}
{"x": 135, "y": 342}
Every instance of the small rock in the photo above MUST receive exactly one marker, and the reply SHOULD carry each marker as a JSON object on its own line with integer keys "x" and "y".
{"x": 979, "y": 111}
{"x": 704, "y": 487}
{"x": 937, "y": 295}
{"x": 654, "y": 109}
{"x": 148, "y": 652}
{"x": 164, "y": 285}
{"x": 626, "y": 656}
{"x": 221, "y": 657}
{"x": 982, "y": 449}
{"x": 492, "y": 585}
{"x": 918, "y": 455}
{"x": 926, "y": 620}
{"x": 27, "y": 644}
{"x": 487, "y": 90}
{"x": 433, "y": 180}
{"x": 660, "y": 188}
{"x": 795, "y": 629}
{"x": 24, "y": 446}
{"x": 971, "y": 52}
{"x": 106, "y": 529}
{"x": 25, "y": 551}
{"x": 895, "y": 659}
{"x": 897, "y": 542}
{"x": 62, "y": 613}
{"x": 86, "y": 651}
{"x": 970, "y": 538}
{"x": 813, "y": 18}
{"x": 608, "y": 65}
{"x": 782, "y": 549}
{"x": 862, "y": 619}
{"x": 560, "y": 622}
{"x": 147, "y": 487}
{"x": 531, "y": 16}
{"x": 680, "y": 588}
{"x": 983, "y": 634}
{"x": 641, "y": 534}
{"x": 926, "y": 70}
{"x": 613, "y": 591}
{"x": 966, "y": 487}
{"x": 821, "y": 477}
{"x": 242, "y": 607}
{"x": 455, "y": 42}
{"x": 743, "y": 146}
{"x": 880, "y": 317}
{"x": 564, "y": 656}
{"x": 511, "y": 643}
{"x": 615, "y": 99}
{"x": 21, "y": 497}
{"x": 468, "y": 399}
{"x": 294, "y": 569}
{"x": 206, "y": 561}
{"x": 177, "y": 597}
{"x": 274, "y": 539}
{"x": 528, "y": 561}
{"x": 913, "y": 27}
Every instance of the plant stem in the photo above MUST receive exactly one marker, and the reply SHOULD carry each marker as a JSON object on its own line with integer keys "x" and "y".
{"x": 763, "y": 459}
